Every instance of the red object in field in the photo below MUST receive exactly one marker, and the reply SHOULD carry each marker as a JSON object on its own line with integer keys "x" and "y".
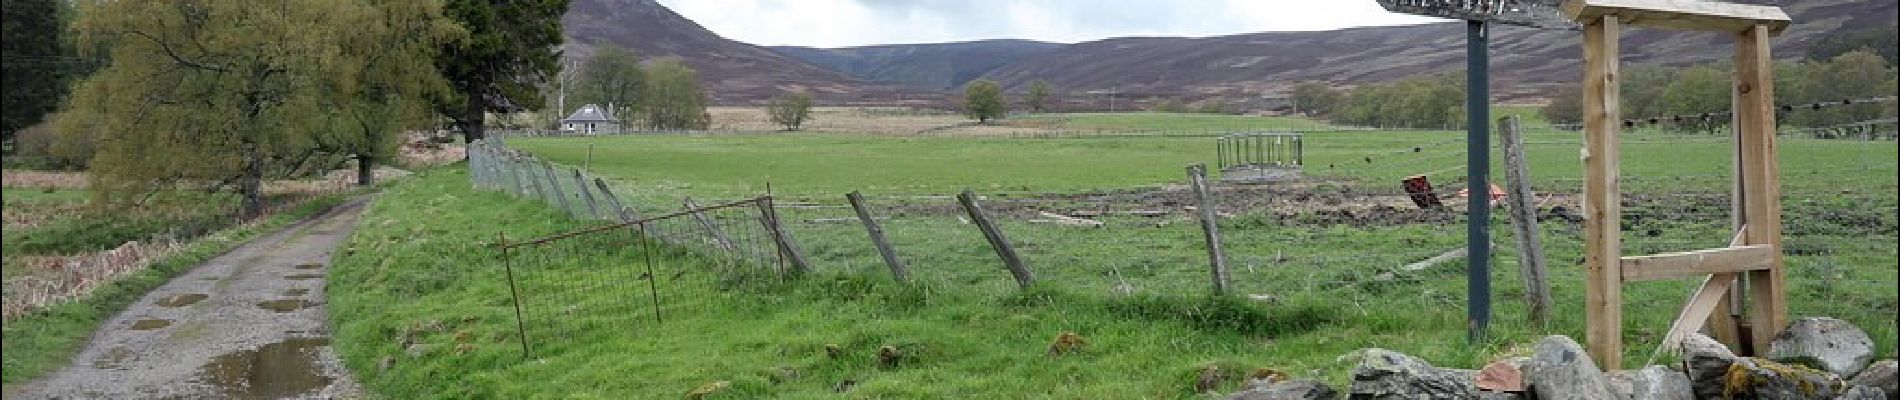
{"x": 1497, "y": 194}
{"x": 1421, "y": 191}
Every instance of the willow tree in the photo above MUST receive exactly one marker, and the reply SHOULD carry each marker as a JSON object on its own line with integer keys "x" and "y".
{"x": 217, "y": 91}
{"x": 393, "y": 81}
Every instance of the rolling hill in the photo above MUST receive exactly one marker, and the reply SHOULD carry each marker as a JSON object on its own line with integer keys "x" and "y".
{"x": 1526, "y": 63}
{"x": 924, "y": 66}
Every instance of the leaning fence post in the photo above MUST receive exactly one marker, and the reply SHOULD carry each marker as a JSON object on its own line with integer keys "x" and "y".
{"x": 877, "y": 237}
{"x": 626, "y": 214}
{"x": 997, "y": 241}
{"x": 1530, "y": 248}
{"x": 507, "y": 264}
{"x": 587, "y": 195}
{"x": 786, "y": 247}
{"x": 506, "y": 163}
{"x": 555, "y": 183}
{"x": 1210, "y": 227}
{"x": 712, "y": 229}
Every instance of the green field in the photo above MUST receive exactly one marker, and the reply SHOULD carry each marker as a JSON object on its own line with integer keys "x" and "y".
{"x": 828, "y": 165}
{"x": 1324, "y": 274}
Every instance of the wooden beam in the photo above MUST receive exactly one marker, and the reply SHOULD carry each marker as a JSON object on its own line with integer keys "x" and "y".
{"x": 1696, "y": 15}
{"x": 1707, "y": 299}
{"x": 1755, "y": 85}
{"x": 1689, "y": 264}
{"x": 1603, "y": 246}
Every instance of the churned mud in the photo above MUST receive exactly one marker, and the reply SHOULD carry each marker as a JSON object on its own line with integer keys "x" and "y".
{"x": 235, "y": 327}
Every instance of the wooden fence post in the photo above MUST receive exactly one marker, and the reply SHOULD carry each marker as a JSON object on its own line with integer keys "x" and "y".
{"x": 554, "y": 183}
{"x": 587, "y": 195}
{"x": 1602, "y": 205}
{"x": 719, "y": 236}
{"x": 997, "y": 241}
{"x": 768, "y": 214}
{"x": 1530, "y": 247}
{"x": 1761, "y": 177}
{"x": 626, "y": 214}
{"x": 877, "y": 237}
{"x": 1210, "y": 229}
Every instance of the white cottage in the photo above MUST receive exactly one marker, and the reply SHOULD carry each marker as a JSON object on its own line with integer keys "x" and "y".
{"x": 590, "y": 119}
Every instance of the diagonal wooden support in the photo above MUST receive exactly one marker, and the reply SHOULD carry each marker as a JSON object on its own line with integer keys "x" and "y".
{"x": 1703, "y": 304}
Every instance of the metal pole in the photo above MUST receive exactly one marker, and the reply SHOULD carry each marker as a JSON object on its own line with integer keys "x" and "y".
{"x": 1478, "y": 167}
{"x": 507, "y": 264}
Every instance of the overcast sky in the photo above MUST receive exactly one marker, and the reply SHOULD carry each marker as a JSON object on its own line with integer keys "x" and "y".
{"x": 837, "y": 23}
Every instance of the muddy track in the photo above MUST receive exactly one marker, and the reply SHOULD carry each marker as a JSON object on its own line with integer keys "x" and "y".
{"x": 246, "y": 325}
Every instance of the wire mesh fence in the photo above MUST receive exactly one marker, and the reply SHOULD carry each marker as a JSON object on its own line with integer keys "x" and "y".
{"x": 1367, "y": 242}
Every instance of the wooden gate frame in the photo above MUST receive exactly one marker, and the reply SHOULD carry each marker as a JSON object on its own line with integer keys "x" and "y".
{"x": 1756, "y": 214}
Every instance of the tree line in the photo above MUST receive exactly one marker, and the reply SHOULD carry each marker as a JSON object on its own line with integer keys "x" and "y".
{"x": 226, "y": 94}
{"x": 1662, "y": 93}
{"x": 661, "y": 95}
{"x": 1421, "y": 102}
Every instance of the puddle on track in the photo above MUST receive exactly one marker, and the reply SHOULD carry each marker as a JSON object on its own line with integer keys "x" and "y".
{"x": 308, "y": 266}
{"x": 296, "y": 292}
{"x": 181, "y": 300}
{"x": 150, "y": 324}
{"x": 286, "y": 305}
{"x": 277, "y": 370}
{"x": 113, "y": 358}
{"x": 299, "y": 277}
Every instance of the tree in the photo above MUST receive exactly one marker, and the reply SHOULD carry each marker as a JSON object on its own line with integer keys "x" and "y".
{"x": 983, "y": 100}
{"x": 790, "y": 110}
{"x": 1694, "y": 91}
{"x": 209, "y": 91}
{"x": 35, "y": 66}
{"x": 612, "y": 78}
{"x": 1038, "y": 96}
{"x": 512, "y": 48}
{"x": 673, "y": 100}
{"x": 395, "y": 54}
{"x": 1315, "y": 98}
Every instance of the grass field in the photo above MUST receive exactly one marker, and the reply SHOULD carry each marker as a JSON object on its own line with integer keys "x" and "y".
{"x": 828, "y": 165}
{"x": 1324, "y": 272}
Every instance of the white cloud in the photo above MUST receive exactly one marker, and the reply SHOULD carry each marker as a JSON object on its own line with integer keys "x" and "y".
{"x": 835, "y": 23}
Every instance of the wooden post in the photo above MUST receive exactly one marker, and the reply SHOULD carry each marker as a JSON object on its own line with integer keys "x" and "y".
{"x": 587, "y": 195}
{"x": 1603, "y": 297}
{"x": 1725, "y": 321}
{"x": 1210, "y": 230}
{"x": 1755, "y": 83}
{"x": 621, "y": 210}
{"x": 712, "y": 229}
{"x": 1530, "y": 247}
{"x": 787, "y": 248}
{"x": 877, "y": 237}
{"x": 554, "y": 184}
{"x": 997, "y": 241}
{"x": 508, "y": 165}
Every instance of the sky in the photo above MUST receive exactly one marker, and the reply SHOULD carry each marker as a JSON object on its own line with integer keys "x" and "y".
{"x": 841, "y": 23}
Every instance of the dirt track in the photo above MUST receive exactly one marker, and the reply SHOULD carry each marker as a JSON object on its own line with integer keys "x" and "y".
{"x": 247, "y": 324}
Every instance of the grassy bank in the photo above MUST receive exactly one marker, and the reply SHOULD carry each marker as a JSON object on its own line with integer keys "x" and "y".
{"x": 421, "y": 246}
{"x": 964, "y": 331}
{"x": 43, "y": 341}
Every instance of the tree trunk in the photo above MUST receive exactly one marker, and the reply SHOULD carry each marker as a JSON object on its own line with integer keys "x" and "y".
{"x": 251, "y": 186}
{"x": 364, "y": 170}
{"x": 472, "y": 121}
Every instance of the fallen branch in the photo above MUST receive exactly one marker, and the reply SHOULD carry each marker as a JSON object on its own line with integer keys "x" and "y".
{"x": 1059, "y": 219}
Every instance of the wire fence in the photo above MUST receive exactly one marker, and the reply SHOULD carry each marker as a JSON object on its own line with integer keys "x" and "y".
{"x": 1367, "y": 245}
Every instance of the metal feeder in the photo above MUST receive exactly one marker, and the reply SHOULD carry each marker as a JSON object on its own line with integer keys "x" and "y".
{"x": 1260, "y": 157}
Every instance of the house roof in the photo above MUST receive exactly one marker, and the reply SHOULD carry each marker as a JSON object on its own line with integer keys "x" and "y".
{"x": 589, "y": 113}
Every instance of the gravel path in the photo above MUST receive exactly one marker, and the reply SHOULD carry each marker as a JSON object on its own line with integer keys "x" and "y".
{"x": 250, "y": 324}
